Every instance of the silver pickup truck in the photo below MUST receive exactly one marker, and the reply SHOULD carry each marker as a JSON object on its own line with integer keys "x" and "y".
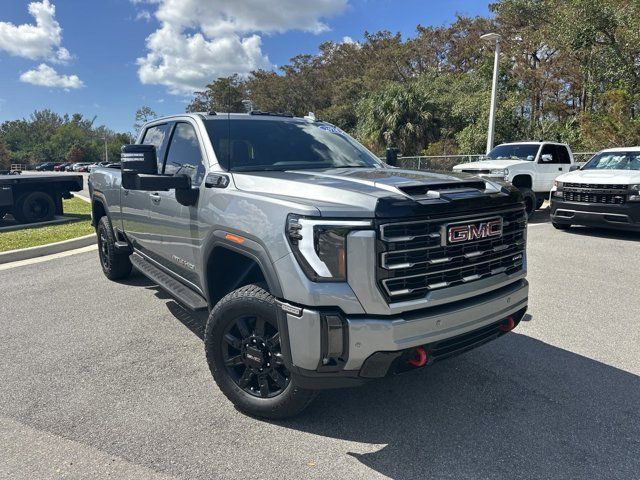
{"x": 320, "y": 266}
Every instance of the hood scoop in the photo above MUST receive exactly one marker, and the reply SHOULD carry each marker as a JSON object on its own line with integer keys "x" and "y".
{"x": 435, "y": 190}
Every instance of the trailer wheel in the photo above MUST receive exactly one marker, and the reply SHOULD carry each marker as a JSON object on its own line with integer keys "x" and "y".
{"x": 34, "y": 207}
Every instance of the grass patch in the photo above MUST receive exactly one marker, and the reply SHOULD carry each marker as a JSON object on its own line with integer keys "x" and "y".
{"x": 75, "y": 208}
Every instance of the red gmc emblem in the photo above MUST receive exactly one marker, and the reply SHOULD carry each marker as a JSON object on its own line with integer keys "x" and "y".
{"x": 468, "y": 232}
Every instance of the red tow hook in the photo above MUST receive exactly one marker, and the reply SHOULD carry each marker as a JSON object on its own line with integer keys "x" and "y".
{"x": 421, "y": 361}
{"x": 510, "y": 325}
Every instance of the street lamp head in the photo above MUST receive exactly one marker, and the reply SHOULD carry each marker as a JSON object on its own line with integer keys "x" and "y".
{"x": 491, "y": 37}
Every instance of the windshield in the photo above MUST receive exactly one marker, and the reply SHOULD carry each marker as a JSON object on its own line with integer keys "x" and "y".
{"x": 519, "y": 151}
{"x": 614, "y": 161}
{"x": 257, "y": 144}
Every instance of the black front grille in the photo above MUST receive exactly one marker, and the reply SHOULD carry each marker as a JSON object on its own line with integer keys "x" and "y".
{"x": 477, "y": 172}
{"x": 595, "y": 193}
{"x": 413, "y": 261}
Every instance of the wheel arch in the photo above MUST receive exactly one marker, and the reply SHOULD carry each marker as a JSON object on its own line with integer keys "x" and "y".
{"x": 228, "y": 266}
{"x": 523, "y": 180}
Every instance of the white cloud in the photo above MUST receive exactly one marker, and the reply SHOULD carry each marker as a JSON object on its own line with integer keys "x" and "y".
{"x": 45, "y": 76}
{"x": 143, "y": 15}
{"x": 40, "y": 41}
{"x": 347, "y": 39}
{"x": 200, "y": 40}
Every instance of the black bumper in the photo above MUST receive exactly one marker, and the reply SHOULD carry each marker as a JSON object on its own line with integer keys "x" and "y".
{"x": 623, "y": 217}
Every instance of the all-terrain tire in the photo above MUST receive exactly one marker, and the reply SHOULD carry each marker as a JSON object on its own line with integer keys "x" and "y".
{"x": 250, "y": 302}
{"x": 34, "y": 207}
{"x": 529, "y": 200}
{"x": 115, "y": 265}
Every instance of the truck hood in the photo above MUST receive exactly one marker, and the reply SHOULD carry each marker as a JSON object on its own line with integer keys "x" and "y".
{"x": 611, "y": 177}
{"x": 490, "y": 164}
{"x": 353, "y": 191}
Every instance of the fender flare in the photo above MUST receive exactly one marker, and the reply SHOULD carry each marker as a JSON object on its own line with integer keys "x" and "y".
{"x": 250, "y": 249}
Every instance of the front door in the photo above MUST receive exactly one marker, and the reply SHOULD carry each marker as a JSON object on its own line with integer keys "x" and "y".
{"x": 553, "y": 161}
{"x": 181, "y": 229}
{"x": 136, "y": 203}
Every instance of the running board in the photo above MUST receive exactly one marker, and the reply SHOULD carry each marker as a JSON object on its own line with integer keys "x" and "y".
{"x": 176, "y": 289}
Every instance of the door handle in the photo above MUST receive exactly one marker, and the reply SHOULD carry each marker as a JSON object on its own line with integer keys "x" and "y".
{"x": 155, "y": 197}
{"x": 560, "y": 168}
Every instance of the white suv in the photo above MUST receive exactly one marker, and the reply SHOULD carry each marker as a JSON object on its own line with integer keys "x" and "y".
{"x": 530, "y": 166}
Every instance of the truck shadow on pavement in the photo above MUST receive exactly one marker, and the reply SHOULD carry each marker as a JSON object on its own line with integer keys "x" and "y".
{"x": 515, "y": 408}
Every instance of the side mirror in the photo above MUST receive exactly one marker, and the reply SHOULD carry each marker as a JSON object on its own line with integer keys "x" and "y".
{"x": 139, "y": 159}
{"x": 574, "y": 167}
{"x": 391, "y": 156}
{"x": 547, "y": 158}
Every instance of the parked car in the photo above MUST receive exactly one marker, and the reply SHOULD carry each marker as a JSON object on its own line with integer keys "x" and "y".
{"x": 605, "y": 192}
{"x": 77, "y": 166}
{"x": 61, "y": 167}
{"x": 530, "y": 166}
{"x": 321, "y": 266}
{"x": 46, "y": 167}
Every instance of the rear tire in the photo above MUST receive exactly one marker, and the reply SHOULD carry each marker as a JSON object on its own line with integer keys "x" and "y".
{"x": 529, "y": 201}
{"x": 114, "y": 265}
{"x": 242, "y": 344}
{"x": 561, "y": 226}
{"x": 34, "y": 207}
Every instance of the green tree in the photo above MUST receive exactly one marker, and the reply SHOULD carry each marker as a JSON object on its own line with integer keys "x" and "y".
{"x": 143, "y": 115}
{"x": 223, "y": 95}
{"x": 5, "y": 155}
{"x": 75, "y": 154}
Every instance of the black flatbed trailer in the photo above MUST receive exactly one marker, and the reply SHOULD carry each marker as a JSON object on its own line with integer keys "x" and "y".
{"x": 38, "y": 197}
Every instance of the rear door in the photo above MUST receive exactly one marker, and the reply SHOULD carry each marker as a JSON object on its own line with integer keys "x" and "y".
{"x": 136, "y": 203}
{"x": 182, "y": 230}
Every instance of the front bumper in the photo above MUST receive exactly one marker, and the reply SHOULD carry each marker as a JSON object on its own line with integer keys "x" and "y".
{"x": 624, "y": 217}
{"x": 372, "y": 344}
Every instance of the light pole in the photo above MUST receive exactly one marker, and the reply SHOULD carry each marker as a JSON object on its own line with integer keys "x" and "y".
{"x": 106, "y": 152}
{"x": 493, "y": 37}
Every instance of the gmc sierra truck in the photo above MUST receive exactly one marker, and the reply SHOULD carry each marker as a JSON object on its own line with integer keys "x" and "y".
{"x": 320, "y": 266}
{"x": 530, "y": 166}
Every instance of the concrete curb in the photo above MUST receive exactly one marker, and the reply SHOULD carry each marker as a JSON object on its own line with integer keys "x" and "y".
{"x": 51, "y": 248}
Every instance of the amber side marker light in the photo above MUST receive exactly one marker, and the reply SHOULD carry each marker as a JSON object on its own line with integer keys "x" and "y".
{"x": 234, "y": 238}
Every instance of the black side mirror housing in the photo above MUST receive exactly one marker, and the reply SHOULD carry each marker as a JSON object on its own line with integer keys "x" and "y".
{"x": 574, "y": 167}
{"x": 391, "y": 156}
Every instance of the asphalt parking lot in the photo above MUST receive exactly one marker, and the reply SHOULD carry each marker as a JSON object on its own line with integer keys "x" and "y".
{"x": 106, "y": 379}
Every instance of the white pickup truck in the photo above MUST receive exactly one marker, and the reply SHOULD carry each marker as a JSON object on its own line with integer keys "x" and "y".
{"x": 530, "y": 166}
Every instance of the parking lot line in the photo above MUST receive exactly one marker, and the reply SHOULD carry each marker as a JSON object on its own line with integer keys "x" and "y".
{"x": 46, "y": 258}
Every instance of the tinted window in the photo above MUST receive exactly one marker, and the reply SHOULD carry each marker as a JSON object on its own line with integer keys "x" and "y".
{"x": 156, "y": 136}
{"x": 517, "y": 151}
{"x": 260, "y": 144}
{"x": 552, "y": 150}
{"x": 185, "y": 156}
{"x": 563, "y": 154}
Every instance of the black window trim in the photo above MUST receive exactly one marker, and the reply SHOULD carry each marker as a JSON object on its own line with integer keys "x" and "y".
{"x": 173, "y": 125}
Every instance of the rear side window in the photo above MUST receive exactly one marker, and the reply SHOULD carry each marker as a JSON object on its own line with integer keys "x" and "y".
{"x": 156, "y": 136}
{"x": 563, "y": 154}
{"x": 185, "y": 156}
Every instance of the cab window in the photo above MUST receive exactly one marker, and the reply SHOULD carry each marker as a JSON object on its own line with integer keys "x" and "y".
{"x": 156, "y": 136}
{"x": 184, "y": 156}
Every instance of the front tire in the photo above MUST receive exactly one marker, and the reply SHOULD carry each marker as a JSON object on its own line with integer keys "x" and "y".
{"x": 115, "y": 266}
{"x": 529, "y": 201}
{"x": 242, "y": 344}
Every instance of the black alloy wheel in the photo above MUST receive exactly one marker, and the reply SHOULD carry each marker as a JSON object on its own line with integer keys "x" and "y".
{"x": 252, "y": 356}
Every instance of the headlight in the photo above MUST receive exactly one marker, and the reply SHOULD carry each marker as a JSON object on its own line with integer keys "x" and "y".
{"x": 500, "y": 171}
{"x": 320, "y": 245}
{"x": 634, "y": 193}
{"x": 558, "y": 184}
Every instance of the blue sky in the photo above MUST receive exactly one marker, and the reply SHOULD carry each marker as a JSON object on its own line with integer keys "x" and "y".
{"x": 107, "y": 58}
